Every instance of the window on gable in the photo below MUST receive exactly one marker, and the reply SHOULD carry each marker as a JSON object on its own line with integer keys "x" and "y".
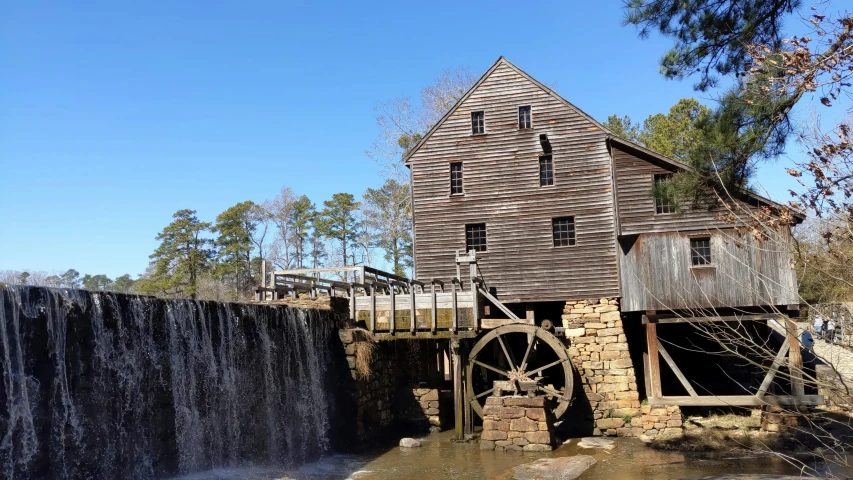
{"x": 665, "y": 203}
{"x": 546, "y": 171}
{"x": 524, "y": 117}
{"x": 475, "y": 237}
{"x": 478, "y": 124}
{"x": 700, "y": 251}
{"x": 564, "y": 231}
{"x": 455, "y": 178}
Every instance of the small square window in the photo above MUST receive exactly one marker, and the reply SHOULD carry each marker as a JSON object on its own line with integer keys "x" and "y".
{"x": 700, "y": 251}
{"x": 475, "y": 237}
{"x": 665, "y": 203}
{"x": 456, "y": 178}
{"x": 546, "y": 171}
{"x": 478, "y": 123}
{"x": 564, "y": 231}
{"x": 524, "y": 117}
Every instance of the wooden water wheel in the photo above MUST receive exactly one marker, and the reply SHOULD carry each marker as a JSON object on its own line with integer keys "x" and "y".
{"x": 528, "y": 359}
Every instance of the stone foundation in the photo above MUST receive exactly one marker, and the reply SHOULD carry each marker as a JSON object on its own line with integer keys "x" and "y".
{"x": 428, "y": 400}
{"x": 373, "y": 394}
{"x": 778, "y": 420}
{"x": 599, "y": 350}
{"x": 516, "y": 423}
{"x": 659, "y": 422}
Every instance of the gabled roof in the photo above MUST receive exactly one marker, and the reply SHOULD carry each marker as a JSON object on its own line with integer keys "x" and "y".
{"x": 610, "y": 135}
{"x": 498, "y": 63}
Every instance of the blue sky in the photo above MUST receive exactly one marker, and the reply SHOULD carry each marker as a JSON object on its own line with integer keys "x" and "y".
{"x": 113, "y": 115}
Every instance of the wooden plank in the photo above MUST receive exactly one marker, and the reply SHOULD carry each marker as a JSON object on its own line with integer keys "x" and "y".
{"x": 647, "y": 375}
{"x": 490, "y": 323}
{"x": 774, "y": 367}
{"x": 795, "y": 359}
{"x": 423, "y": 335}
{"x": 413, "y": 325}
{"x": 351, "y": 304}
{"x": 725, "y": 318}
{"x": 654, "y": 362}
{"x": 738, "y": 400}
{"x": 676, "y": 370}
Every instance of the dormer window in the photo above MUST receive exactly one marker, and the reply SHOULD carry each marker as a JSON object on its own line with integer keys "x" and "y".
{"x": 524, "y": 120}
{"x": 478, "y": 123}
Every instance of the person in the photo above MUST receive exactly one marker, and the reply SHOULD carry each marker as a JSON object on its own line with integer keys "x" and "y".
{"x": 818, "y": 325}
{"x": 830, "y": 330}
{"x": 807, "y": 340}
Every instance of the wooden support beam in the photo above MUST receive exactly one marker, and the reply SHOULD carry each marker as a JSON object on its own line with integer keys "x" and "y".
{"x": 372, "y": 309}
{"x": 434, "y": 312}
{"x": 393, "y": 312}
{"x": 454, "y": 308}
{"x": 676, "y": 370}
{"x": 458, "y": 398}
{"x": 498, "y": 304}
{"x": 647, "y": 376}
{"x": 654, "y": 361}
{"x": 413, "y": 312}
{"x": 351, "y": 293}
{"x": 795, "y": 359}
{"x": 774, "y": 367}
{"x": 646, "y": 319}
{"x": 738, "y": 400}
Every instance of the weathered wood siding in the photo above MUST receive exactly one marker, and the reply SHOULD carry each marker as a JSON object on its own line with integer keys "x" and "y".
{"x": 634, "y": 183}
{"x": 657, "y": 273}
{"x": 501, "y": 189}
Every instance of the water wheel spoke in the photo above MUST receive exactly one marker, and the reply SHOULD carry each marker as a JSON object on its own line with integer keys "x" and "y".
{"x": 555, "y": 362}
{"x": 530, "y": 343}
{"x": 494, "y": 369}
{"x": 506, "y": 352}
{"x": 485, "y": 393}
{"x": 553, "y": 392}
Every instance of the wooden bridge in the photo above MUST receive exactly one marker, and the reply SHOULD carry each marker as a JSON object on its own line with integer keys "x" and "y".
{"x": 458, "y": 307}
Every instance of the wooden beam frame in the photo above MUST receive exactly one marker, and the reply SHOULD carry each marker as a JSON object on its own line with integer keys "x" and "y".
{"x": 654, "y": 362}
{"x": 738, "y": 400}
{"x": 650, "y": 319}
{"x": 676, "y": 370}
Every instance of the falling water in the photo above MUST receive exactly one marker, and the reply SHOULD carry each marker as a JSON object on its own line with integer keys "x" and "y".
{"x": 103, "y": 385}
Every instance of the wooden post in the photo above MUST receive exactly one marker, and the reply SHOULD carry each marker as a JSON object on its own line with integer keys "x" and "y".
{"x": 393, "y": 310}
{"x": 458, "y": 398}
{"x": 468, "y": 425}
{"x": 413, "y": 311}
{"x": 434, "y": 319}
{"x": 795, "y": 359}
{"x": 351, "y": 304}
{"x": 455, "y": 315}
{"x": 372, "y": 309}
{"x": 654, "y": 360}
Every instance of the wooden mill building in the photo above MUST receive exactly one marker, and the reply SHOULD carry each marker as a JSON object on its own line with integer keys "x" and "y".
{"x": 543, "y": 261}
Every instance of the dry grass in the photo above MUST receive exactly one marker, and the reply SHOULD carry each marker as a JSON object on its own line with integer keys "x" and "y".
{"x": 364, "y": 352}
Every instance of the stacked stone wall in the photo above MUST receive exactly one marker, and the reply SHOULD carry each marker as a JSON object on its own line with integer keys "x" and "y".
{"x": 660, "y": 422}
{"x": 427, "y": 400}
{"x": 374, "y": 393}
{"x": 516, "y": 423}
{"x": 599, "y": 351}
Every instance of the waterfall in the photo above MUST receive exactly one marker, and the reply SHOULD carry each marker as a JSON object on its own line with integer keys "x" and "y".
{"x": 104, "y": 385}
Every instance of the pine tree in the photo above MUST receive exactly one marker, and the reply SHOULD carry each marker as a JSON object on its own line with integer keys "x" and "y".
{"x": 235, "y": 228}
{"x": 337, "y": 221}
{"x": 182, "y": 256}
{"x": 301, "y": 219}
{"x": 390, "y": 223}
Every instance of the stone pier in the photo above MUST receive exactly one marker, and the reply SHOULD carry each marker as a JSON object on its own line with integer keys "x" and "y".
{"x": 516, "y": 423}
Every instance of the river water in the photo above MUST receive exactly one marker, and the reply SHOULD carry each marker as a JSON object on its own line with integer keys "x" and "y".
{"x": 440, "y": 458}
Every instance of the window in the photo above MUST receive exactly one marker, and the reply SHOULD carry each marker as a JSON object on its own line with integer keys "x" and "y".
{"x": 700, "y": 251}
{"x": 546, "y": 171}
{"x": 455, "y": 178}
{"x": 564, "y": 231}
{"x": 524, "y": 117}
{"x": 475, "y": 237}
{"x": 665, "y": 203}
{"x": 478, "y": 124}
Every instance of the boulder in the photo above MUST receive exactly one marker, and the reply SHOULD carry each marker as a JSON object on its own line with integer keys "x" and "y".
{"x": 409, "y": 443}
{"x": 597, "y": 442}
{"x": 563, "y": 468}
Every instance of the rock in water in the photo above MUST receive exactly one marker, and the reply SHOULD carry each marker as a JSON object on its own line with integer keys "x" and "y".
{"x": 564, "y": 468}
{"x": 596, "y": 442}
{"x": 409, "y": 443}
